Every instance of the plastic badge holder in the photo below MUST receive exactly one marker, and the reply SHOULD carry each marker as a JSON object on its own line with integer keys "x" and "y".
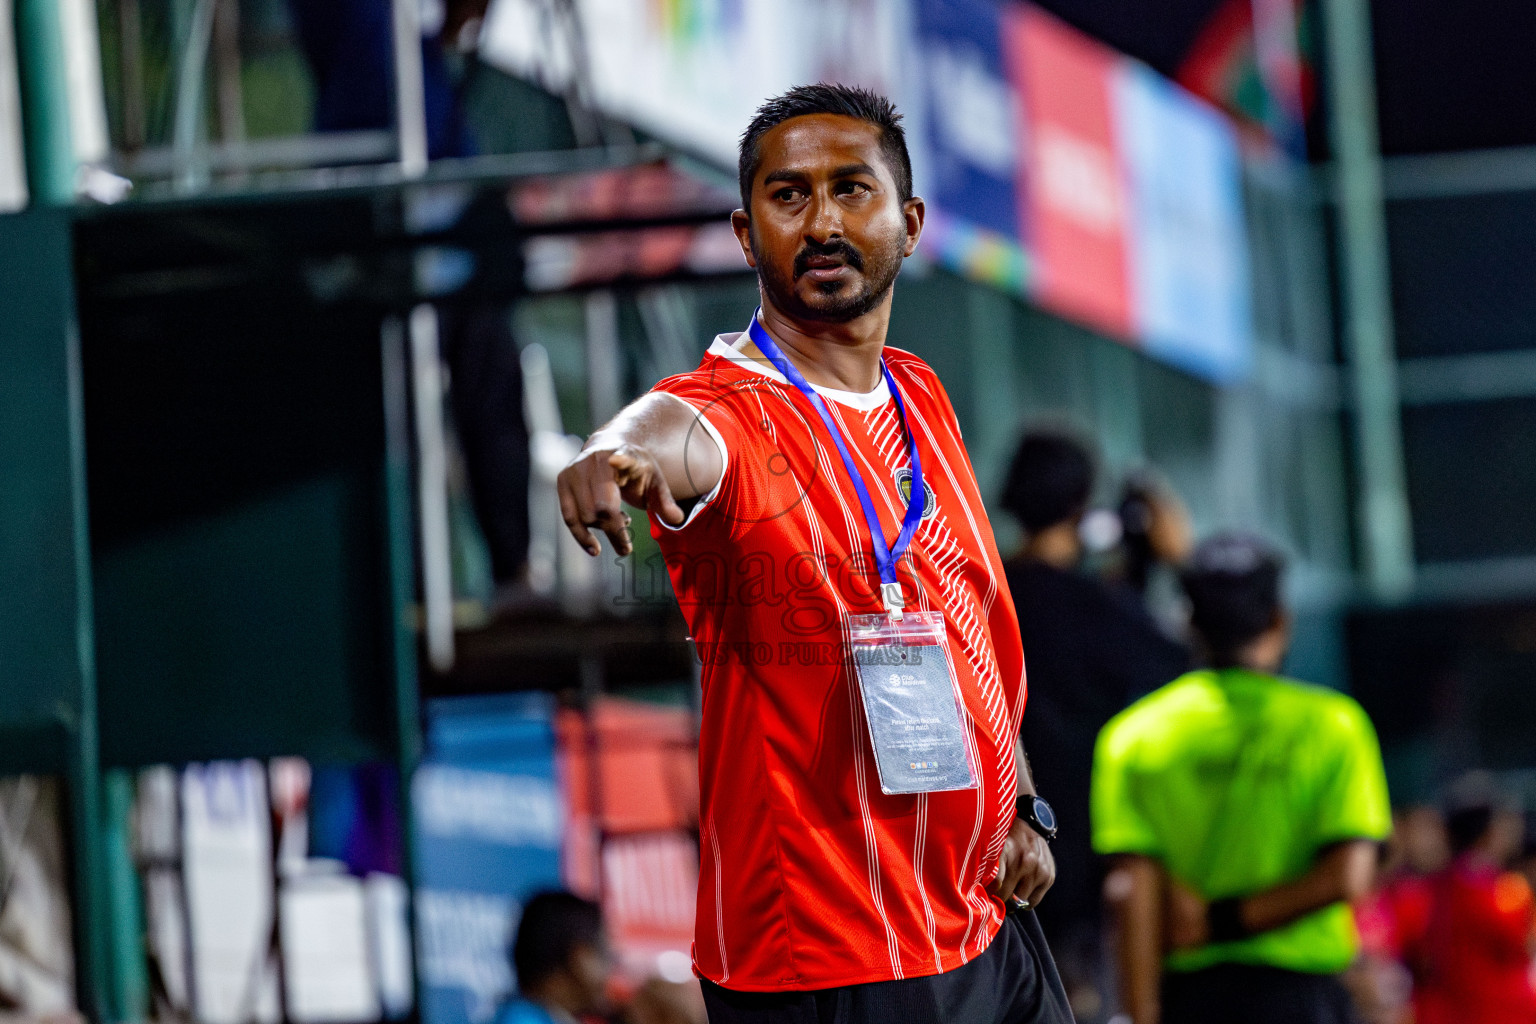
{"x": 911, "y": 703}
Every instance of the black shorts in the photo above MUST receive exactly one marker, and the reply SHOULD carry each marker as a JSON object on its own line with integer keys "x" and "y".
{"x": 1013, "y": 982}
{"x": 1254, "y": 995}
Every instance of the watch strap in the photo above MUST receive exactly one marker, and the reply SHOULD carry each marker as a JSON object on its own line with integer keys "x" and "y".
{"x": 1224, "y": 920}
{"x": 1024, "y": 810}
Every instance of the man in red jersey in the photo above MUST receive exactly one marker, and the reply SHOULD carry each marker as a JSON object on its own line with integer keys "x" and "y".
{"x": 845, "y": 875}
{"x": 1472, "y": 958}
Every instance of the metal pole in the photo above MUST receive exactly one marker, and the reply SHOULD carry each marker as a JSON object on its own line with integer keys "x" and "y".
{"x": 130, "y": 24}
{"x": 605, "y": 390}
{"x": 402, "y": 578}
{"x": 83, "y": 762}
{"x": 13, "y": 162}
{"x": 82, "y": 68}
{"x": 1384, "y": 528}
{"x": 50, "y": 149}
{"x": 410, "y": 95}
{"x": 226, "y": 73}
{"x": 189, "y": 140}
{"x": 432, "y": 486}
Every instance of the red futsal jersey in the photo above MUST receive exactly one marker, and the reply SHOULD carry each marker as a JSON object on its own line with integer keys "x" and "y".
{"x": 811, "y": 877}
{"x": 1472, "y": 961}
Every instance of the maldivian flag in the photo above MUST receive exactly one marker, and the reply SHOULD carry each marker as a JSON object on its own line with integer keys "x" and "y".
{"x": 1264, "y": 76}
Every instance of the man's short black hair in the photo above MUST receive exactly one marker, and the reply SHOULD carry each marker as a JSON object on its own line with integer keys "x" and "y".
{"x": 1049, "y": 481}
{"x": 1465, "y": 827}
{"x": 1471, "y": 803}
{"x": 822, "y": 98}
{"x": 554, "y": 926}
{"x": 1233, "y": 583}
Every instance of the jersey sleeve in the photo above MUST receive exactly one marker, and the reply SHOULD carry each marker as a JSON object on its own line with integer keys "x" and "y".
{"x": 1119, "y": 822}
{"x": 1353, "y": 802}
{"x": 722, "y": 419}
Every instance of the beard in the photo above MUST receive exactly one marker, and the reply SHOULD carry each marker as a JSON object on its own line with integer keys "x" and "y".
{"x": 833, "y": 301}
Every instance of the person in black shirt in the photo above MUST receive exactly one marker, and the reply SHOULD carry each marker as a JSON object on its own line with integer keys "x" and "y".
{"x": 1090, "y": 649}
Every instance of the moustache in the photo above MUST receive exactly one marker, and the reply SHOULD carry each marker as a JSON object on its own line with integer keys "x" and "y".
{"x": 837, "y": 247}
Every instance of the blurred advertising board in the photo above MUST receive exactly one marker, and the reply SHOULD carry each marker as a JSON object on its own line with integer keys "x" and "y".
{"x": 1188, "y": 240}
{"x": 693, "y": 71}
{"x": 1074, "y": 190}
{"x": 974, "y": 139}
{"x": 631, "y": 771}
{"x": 1054, "y": 167}
{"x": 643, "y": 192}
{"x": 489, "y": 823}
{"x": 558, "y": 262}
{"x": 662, "y": 223}
{"x": 1082, "y": 180}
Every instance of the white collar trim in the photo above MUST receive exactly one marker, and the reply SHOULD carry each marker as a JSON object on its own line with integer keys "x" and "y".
{"x": 729, "y": 347}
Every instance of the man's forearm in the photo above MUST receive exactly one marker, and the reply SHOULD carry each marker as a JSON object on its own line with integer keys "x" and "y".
{"x": 1134, "y": 892}
{"x": 673, "y": 434}
{"x": 1026, "y": 869}
{"x": 1021, "y": 762}
{"x": 1342, "y": 873}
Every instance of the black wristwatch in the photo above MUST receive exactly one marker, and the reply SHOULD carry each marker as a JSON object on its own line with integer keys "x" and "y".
{"x": 1037, "y": 814}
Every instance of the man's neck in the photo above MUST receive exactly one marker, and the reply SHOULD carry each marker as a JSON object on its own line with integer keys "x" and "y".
{"x": 1056, "y": 546}
{"x": 843, "y": 356}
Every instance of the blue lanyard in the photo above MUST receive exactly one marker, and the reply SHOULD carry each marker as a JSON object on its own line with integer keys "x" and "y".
{"x": 885, "y": 558}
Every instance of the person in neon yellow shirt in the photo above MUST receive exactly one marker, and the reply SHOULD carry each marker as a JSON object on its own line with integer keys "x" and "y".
{"x": 1242, "y": 812}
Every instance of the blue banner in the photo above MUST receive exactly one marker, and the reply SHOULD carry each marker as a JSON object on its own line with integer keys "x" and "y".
{"x": 1161, "y": 184}
{"x": 488, "y": 825}
{"x": 973, "y": 114}
{"x": 1187, "y": 237}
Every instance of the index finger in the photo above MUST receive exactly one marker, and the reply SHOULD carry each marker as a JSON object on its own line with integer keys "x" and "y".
{"x": 658, "y": 499}
{"x": 617, "y": 530}
{"x": 568, "y": 512}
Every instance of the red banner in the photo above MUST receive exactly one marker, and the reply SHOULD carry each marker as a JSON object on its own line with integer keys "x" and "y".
{"x": 1075, "y": 209}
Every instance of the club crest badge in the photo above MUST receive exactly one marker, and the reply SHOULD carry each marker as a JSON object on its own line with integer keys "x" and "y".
{"x": 904, "y": 487}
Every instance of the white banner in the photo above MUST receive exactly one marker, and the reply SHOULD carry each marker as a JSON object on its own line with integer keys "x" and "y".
{"x": 691, "y": 72}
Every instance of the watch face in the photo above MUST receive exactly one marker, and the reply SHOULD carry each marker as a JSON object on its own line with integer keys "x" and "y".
{"x": 1044, "y": 815}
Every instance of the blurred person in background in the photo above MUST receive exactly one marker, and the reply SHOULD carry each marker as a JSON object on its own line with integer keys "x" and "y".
{"x": 1472, "y": 963}
{"x": 1419, "y": 833}
{"x": 1243, "y": 812}
{"x": 1526, "y": 862}
{"x": 659, "y": 1001}
{"x": 1092, "y": 648}
{"x": 562, "y": 962}
{"x": 788, "y": 463}
{"x": 1379, "y": 984}
{"x": 349, "y": 45}
{"x": 485, "y": 393}
{"x": 1154, "y": 529}
{"x": 1394, "y": 916}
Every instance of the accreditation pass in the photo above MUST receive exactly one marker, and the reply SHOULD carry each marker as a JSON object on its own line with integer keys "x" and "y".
{"x": 913, "y": 710}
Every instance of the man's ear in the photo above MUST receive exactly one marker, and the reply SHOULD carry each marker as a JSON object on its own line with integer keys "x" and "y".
{"x": 741, "y": 223}
{"x": 914, "y": 210}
